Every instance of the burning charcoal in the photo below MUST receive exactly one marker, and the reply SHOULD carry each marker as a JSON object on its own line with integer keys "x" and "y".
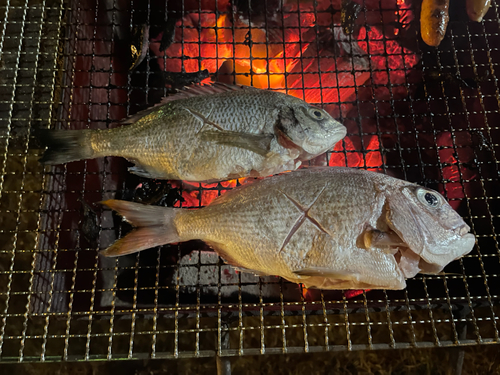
{"x": 453, "y": 169}
{"x": 156, "y": 192}
{"x": 186, "y": 54}
{"x": 444, "y": 77}
{"x": 354, "y": 292}
{"x": 347, "y": 155}
{"x": 479, "y": 140}
{"x": 349, "y": 14}
{"x": 178, "y": 80}
{"x": 169, "y": 199}
{"x": 345, "y": 45}
{"x": 88, "y": 226}
{"x": 255, "y": 13}
{"x": 472, "y": 83}
{"x": 345, "y": 73}
{"x": 438, "y": 76}
{"x": 168, "y": 33}
{"x": 200, "y": 269}
{"x": 139, "y": 44}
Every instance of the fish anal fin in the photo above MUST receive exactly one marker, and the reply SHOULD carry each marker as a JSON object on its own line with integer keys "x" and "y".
{"x": 226, "y": 257}
{"x": 258, "y": 143}
{"x": 246, "y": 270}
{"x": 326, "y": 272}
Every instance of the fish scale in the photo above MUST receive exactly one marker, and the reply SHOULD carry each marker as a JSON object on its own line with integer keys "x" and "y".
{"x": 209, "y": 133}
{"x": 332, "y": 228}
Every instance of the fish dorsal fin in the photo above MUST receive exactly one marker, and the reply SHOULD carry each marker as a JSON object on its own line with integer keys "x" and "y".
{"x": 186, "y": 93}
{"x": 326, "y": 272}
{"x": 200, "y": 89}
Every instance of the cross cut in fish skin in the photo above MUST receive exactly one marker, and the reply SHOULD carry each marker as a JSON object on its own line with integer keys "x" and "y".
{"x": 302, "y": 218}
{"x": 331, "y": 228}
{"x": 204, "y": 119}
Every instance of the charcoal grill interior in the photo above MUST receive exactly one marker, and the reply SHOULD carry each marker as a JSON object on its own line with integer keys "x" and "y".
{"x": 423, "y": 114}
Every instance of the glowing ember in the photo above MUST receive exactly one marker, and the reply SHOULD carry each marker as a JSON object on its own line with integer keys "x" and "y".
{"x": 306, "y": 293}
{"x": 315, "y": 294}
{"x": 355, "y": 292}
{"x": 345, "y": 155}
{"x": 195, "y": 194}
{"x": 291, "y": 58}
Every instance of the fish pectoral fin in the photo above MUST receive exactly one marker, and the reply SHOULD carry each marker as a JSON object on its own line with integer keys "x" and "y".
{"x": 326, "y": 272}
{"x": 377, "y": 238}
{"x": 258, "y": 143}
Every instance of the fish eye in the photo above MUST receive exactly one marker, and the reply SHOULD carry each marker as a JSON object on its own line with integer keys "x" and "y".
{"x": 429, "y": 198}
{"x": 316, "y": 113}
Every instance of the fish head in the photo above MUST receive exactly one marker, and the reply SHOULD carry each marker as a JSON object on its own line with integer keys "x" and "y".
{"x": 308, "y": 128}
{"x": 432, "y": 232}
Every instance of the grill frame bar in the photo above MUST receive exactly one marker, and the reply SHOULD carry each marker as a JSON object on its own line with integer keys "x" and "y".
{"x": 223, "y": 327}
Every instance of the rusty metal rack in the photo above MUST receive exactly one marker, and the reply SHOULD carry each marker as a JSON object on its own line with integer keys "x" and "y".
{"x": 427, "y": 115}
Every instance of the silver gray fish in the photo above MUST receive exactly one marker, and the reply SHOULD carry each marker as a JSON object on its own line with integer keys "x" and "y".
{"x": 208, "y": 133}
{"x": 329, "y": 228}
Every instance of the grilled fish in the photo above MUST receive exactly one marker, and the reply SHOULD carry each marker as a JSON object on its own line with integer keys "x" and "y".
{"x": 207, "y": 133}
{"x": 328, "y": 228}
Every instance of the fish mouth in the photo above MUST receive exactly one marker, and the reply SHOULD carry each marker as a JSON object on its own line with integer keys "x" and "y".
{"x": 432, "y": 259}
{"x": 307, "y": 149}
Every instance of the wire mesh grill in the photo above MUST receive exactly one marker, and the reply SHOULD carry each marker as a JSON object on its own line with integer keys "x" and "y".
{"x": 425, "y": 115}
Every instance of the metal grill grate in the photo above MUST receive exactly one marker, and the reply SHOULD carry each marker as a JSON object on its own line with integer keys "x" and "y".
{"x": 428, "y": 116}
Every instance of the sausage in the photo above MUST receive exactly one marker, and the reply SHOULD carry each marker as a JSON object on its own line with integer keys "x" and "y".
{"x": 476, "y": 9}
{"x": 434, "y": 19}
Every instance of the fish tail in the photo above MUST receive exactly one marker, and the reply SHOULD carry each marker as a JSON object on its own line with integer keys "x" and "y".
{"x": 64, "y": 146}
{"x": 155, "y": 227}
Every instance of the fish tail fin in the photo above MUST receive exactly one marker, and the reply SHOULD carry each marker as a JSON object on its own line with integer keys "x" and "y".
{"x": 155, "y": 227}
{"x": 64, "y": 146}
